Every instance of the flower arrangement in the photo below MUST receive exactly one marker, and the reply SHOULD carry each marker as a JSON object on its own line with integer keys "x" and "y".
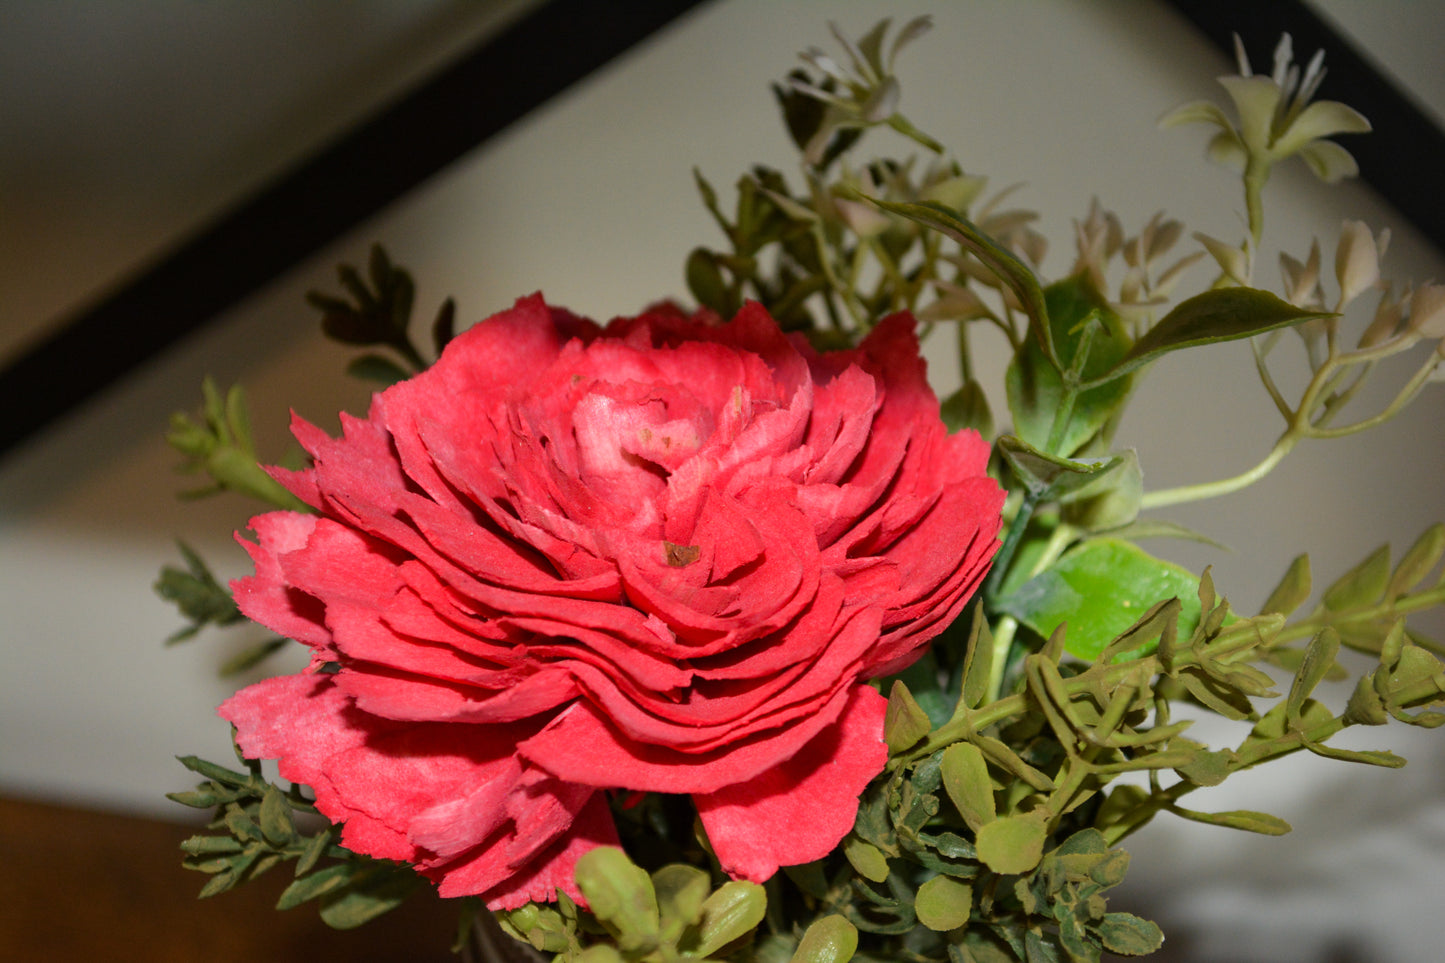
{"x": 712, "y": 633}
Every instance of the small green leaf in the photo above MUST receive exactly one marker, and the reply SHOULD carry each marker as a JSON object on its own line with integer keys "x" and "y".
{"x": 1220, "y": 314}
{"x": 1416, "y": 563}
{"x": 943, "y": 903}
{"x": 681, "y": 891}
{"x": 1013, "y": 844}
{"x": 967, "y": 408}
{"x": 729, "y": 914}
{"x": 317, "y": 884}
{"x": 966, "y": 779}
{"x": 1101, "y": 588}
{"x": 378, "y": 369}
{"x": 1291, "y": 591}
{"x": 620, "y": 894}
{"x": 1362, "y": 585}
{"x": 1002, "y": 262}
{"x": 314, "y": 849}
{"x": 1244, "y": 819}
{"x": 831, "y": 939}
{"x": 380, "y": 891}
{"x": 1128, "y": 935}
{"x": 1049, "y": 476}
{"x": 1319, "y": 659}
{"x": 1111, "y": 500}
{"x": 978, "y": 663}
{"x": 904, "y": 722}
{"x": 866, "y": 858}
{"x": 275, "y": 817}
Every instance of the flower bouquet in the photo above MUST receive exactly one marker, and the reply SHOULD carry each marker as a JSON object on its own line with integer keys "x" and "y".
{"x": 712, "y": 633}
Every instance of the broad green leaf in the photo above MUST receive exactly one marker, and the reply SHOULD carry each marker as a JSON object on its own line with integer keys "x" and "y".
{"x": 1220, "y": 314}
{"x": 1034, "y": 384}
{"x": 1128, "y": 935}
{"x": 620, "y": 894}
{"x": 943, "y": 903}
{"x": 1013, "y": 844}
{"x": 966, "y": 779}
{"x": 831, "y": 939}
{"x": 729, "y": 914}
{"x": 1101, "y": 588}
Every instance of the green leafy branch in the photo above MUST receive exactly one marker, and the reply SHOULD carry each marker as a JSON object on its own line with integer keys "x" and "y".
{"x": 379, "y": 313}
{"x": 255, "y": 829}
{"x": 220, "y": 445}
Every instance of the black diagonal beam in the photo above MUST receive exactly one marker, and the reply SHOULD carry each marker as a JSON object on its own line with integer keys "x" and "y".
{"x": 462, "y": 106}
{"x": 1402, "y": 157}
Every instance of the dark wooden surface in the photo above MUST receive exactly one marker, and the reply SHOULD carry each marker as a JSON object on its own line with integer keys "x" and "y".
{"x": 78, "y": 886}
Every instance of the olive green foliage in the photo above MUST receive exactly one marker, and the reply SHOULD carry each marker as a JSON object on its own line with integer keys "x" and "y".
{"x": 258, "y": 826}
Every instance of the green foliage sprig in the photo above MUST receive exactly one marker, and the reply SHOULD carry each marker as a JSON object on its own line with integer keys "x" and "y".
{"x": 256, "y": 828}
{"x": 379, "y": 313}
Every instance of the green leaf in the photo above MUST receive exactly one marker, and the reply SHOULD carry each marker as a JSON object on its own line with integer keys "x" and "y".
{"x": 1034, "y": 385}
{"x": 681, "y": 891}
{"x": 317, "y": 884}
{"x": 1319, "y": 659}
{"x": 275, "y": 818}
{"x": 1013, "y": 844}
{"x": 978, "y": 663}
{"x": 1111, "y": 500}
{"x": 380, "y": 891}
{"x": 1361, "y": 585}
{"x": 943, "y": 903}
{"x": 1416, "y": 563}
{"x": 1049, "y": 476}
{"x": 904, "y": 722}
{"x": 967, "y": 408}
{"x": 1128, "y": 935}
{"x": 1244, "y": 819}
{"x": 866, "y": 858}
{"x": 1002, "y": 262}
{"x": 252, "y": 656}
{"x": 831, "y": 939}
{"x": 1101, "y": 588}
{"x": 376, "y": 368}
{"x": 966, "y": 779}
{"x": 1220, "y": 314}
{"x": 1291, "y": 591}
{"x": 729, "y": 914}
{"x": 620, "y": 894}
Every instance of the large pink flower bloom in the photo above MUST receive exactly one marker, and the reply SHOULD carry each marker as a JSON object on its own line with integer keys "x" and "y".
{"x": 660, "y": 557}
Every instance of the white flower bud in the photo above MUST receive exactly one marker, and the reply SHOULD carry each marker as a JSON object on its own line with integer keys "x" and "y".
{"x": 1357, "y": 261}
{"x": 1427, "y": 311}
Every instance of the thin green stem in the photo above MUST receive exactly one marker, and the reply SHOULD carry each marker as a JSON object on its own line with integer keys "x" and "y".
{"x": 1224, "y": 486}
